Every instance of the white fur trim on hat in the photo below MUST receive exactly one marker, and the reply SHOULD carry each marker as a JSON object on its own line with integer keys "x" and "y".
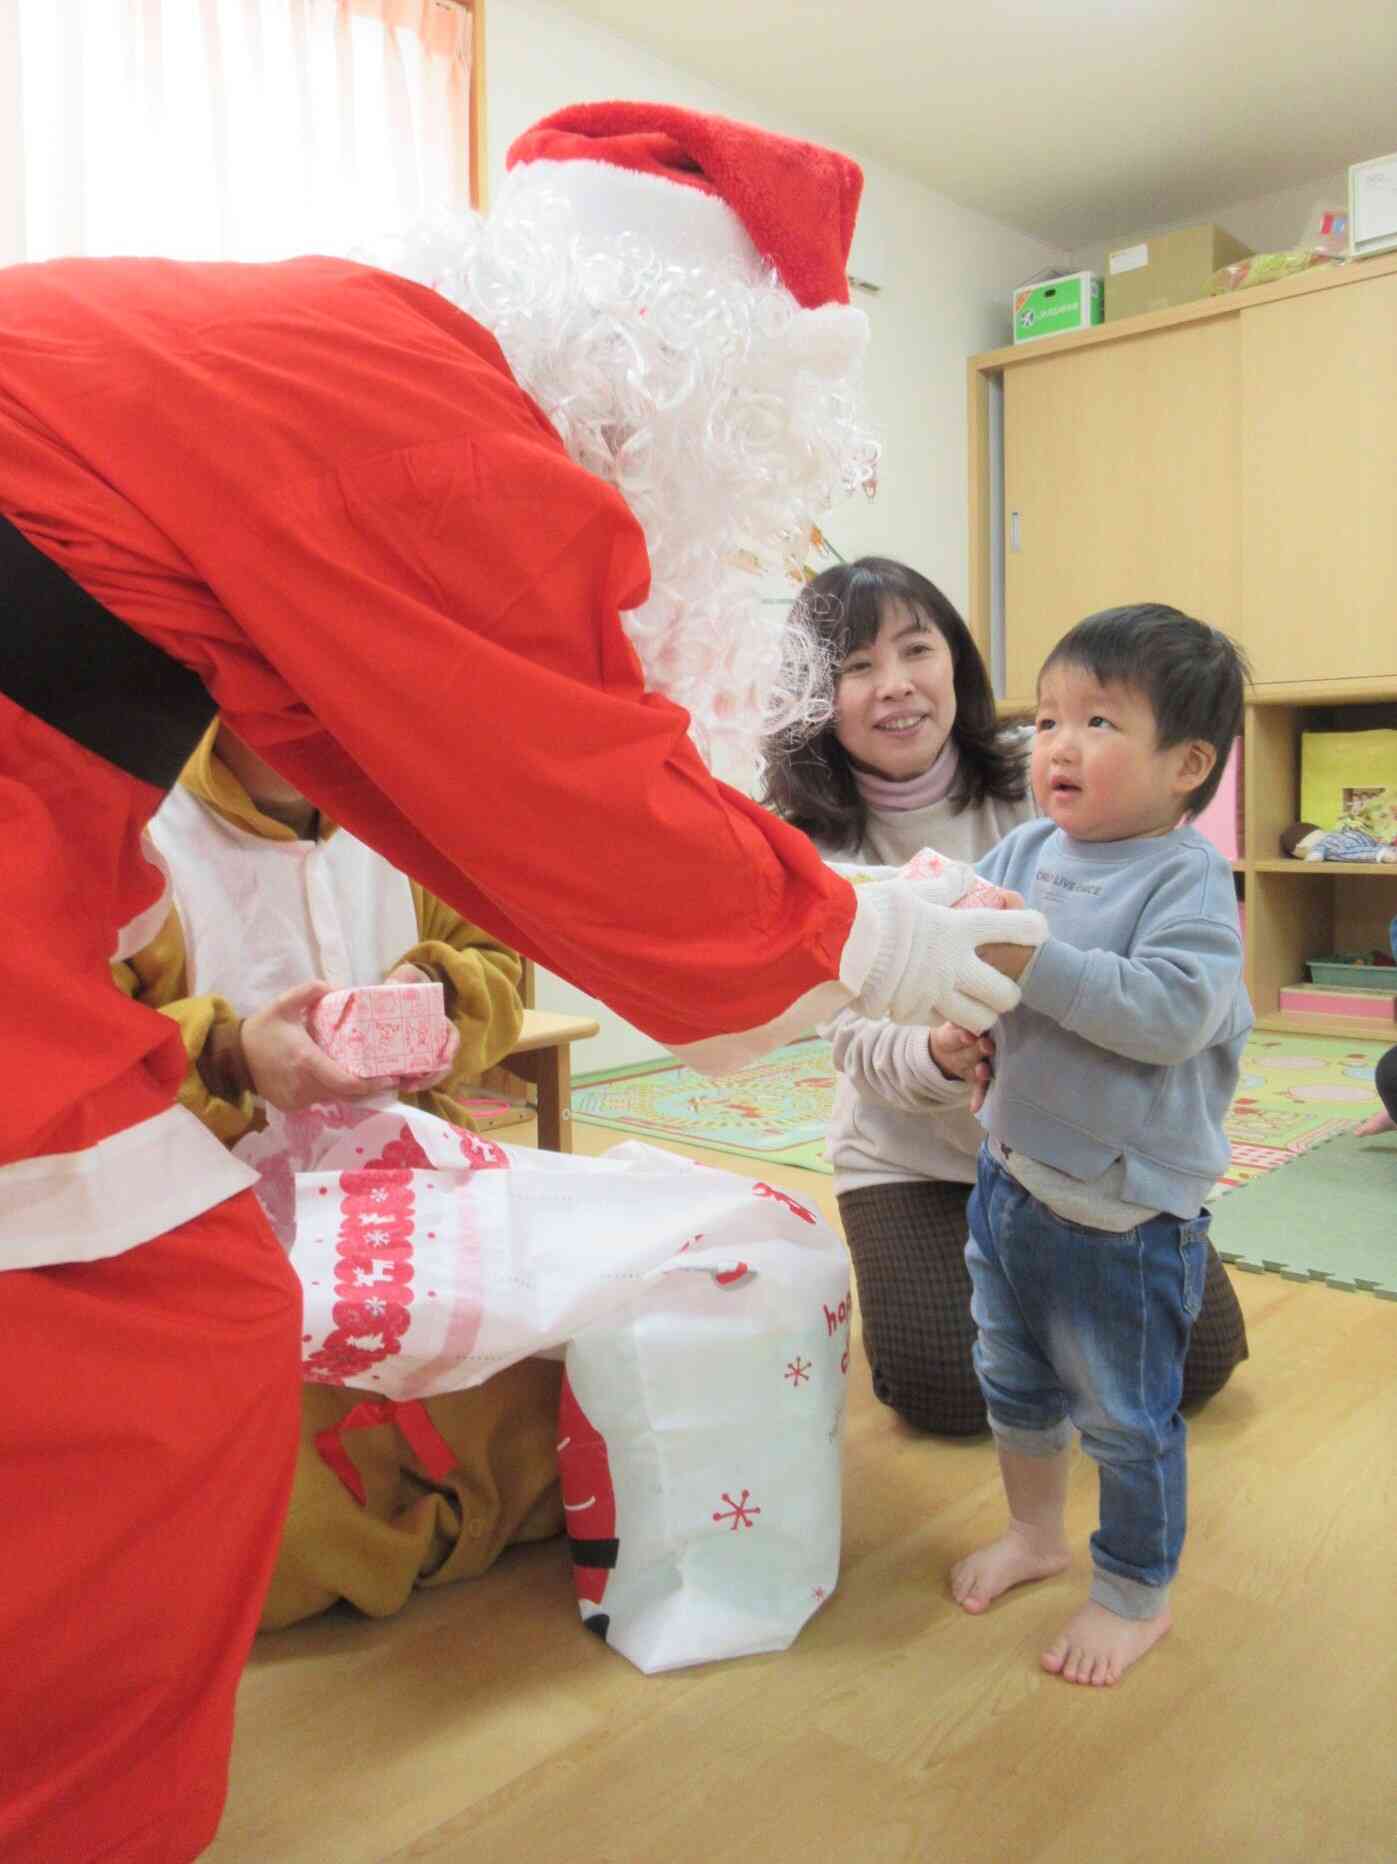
{"x": 683, "y": 224}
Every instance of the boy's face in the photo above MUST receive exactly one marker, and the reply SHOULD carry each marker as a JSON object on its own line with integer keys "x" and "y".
{"x": 1098, "y": 771}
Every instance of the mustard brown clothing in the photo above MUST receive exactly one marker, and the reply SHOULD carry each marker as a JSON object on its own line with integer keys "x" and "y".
{"x": 258, "y": 909}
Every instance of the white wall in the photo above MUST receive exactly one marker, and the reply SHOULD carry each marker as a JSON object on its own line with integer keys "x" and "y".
{"x": 946, "y": 275}
{"x": 1266, "y": 223}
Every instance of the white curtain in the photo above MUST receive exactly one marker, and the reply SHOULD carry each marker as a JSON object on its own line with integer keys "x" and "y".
{"x": 228, "y": 129}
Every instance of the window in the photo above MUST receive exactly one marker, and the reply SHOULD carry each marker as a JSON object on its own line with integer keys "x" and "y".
{"x": 233, "y": 129}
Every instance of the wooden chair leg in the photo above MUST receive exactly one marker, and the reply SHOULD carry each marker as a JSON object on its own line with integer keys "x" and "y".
{"x": 549, "y": 1072}
{"x": 554, "y": 1081}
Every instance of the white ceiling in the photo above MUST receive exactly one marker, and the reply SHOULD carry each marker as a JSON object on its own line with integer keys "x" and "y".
{"x": 1072, "y": 120}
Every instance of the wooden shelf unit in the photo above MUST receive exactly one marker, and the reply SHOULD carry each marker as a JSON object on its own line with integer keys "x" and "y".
{"x": 1236, "y": 457}
{"x": 1297, "y": 910}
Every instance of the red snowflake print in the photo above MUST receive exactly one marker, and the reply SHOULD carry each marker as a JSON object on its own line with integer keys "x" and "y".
{"x": 819, "y": 1594}
{"x": 798, "y": 1371}
{"x": 738, "y": 1512}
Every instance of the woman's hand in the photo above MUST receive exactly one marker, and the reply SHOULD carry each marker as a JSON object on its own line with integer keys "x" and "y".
{"x": 286, "y": 1066}
{"x": 964, "y": 1056}
{"x": 957, "y": 1052}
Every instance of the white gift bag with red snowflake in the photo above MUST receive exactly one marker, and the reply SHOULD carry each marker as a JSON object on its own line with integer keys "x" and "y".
{"x": 430, "y": 1258}
{"x": 700, "y": 1444}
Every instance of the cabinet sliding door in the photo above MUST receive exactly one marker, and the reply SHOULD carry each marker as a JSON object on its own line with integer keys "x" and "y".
{"x": 1319, "y": 502}
{"x": 1121, "y": 484}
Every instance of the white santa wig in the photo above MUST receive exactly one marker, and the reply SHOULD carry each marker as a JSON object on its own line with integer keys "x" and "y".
{"x": 679, "y": 368}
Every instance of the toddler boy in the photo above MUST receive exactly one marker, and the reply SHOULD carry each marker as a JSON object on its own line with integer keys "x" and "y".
{"x": 1104, "y": 1120}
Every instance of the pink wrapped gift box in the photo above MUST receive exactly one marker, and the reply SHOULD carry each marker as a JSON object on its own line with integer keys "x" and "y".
{"x": 384, "y": 1029}
{"x": 926, "y": 864}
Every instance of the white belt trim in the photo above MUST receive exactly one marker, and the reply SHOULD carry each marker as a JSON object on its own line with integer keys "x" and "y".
{"x": 126, "y": 1189}
{"x": 726, "y": 1054}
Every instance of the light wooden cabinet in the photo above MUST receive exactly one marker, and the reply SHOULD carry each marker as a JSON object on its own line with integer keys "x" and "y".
{"x": 1120, "y": 485}
{"x": 1238, "y": 458}
{"x": 1319, "y": 484}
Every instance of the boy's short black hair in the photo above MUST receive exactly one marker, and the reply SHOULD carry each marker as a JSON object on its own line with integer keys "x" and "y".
{"x": 1192, "y": 675}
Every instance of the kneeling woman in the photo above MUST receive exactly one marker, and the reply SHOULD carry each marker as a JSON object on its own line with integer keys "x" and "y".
{"x": 914, "y": 757}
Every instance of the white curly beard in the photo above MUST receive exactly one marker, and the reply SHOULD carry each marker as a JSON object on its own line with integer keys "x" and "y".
{"x": 727, "y": 417}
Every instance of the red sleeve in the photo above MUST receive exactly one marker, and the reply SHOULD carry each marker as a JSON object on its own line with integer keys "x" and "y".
{"x": 400, "y": 589}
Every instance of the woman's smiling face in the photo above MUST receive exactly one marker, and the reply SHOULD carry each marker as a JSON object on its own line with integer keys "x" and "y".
{"x": 895, "y": 698}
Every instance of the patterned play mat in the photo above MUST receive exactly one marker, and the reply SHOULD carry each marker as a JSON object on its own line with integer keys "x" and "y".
{"x": 1294, "y": 1093}
{"x": 775, "y": 1110}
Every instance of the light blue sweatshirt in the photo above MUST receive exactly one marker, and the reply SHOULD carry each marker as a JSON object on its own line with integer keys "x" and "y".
{"x": 1129, "y": 1038}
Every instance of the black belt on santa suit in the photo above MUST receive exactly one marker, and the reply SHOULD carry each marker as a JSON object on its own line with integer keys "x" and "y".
{"x": 72, "y": 663}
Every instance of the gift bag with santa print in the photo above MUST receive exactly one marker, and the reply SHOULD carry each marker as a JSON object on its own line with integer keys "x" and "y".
{"x": 700, "y": 1443}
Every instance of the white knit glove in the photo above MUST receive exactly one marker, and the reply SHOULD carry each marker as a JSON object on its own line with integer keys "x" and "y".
{"x": 914, "y": 961}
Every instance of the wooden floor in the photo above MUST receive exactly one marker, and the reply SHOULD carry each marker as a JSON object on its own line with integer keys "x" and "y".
{"x": 485, "y": 1725}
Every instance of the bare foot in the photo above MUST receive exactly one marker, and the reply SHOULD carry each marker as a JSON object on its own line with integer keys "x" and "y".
{"x": 1098, "y": 1647}
{"x": 1020, "y": 1554}
{"x": 1376, "y": 1123}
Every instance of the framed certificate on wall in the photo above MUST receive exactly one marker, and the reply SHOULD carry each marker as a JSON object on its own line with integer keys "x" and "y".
{"x": 1372, "y": 206}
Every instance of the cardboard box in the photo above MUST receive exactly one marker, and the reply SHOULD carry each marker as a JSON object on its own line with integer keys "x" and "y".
{"x": 1372, "y": 206}
{"x": 1166, "y": 269}
{"x": 1047, "y": 309}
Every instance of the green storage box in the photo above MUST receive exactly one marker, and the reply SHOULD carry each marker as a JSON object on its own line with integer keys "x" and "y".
{"x": 1046, "y": 310}
{"x": 1353, "y": 973}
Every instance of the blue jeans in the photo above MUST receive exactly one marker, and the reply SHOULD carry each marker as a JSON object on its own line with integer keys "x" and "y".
{"x": 1089, "y": 1328}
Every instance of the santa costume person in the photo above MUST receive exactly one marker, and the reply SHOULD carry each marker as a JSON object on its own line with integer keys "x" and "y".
{"x": 408, "y": 565}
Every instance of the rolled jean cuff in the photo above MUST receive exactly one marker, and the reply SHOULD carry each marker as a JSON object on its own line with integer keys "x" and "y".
{"x": 1127, "y": 1598}
{"x": 1043, "y": 1443}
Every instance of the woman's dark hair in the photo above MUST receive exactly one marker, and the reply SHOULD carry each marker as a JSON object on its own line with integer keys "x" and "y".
{"x": 809, "y": 779}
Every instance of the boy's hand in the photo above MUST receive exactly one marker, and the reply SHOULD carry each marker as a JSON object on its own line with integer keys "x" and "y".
{"x": 1012, "y": 960}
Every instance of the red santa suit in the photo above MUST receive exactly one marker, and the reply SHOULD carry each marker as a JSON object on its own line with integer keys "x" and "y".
{"x": 318, "y": 488}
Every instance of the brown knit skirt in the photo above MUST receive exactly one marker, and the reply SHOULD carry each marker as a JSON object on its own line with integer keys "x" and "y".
{"x": 907, "y": 1241}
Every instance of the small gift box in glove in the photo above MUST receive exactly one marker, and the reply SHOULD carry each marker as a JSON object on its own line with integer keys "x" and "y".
{"x": 927, "y": 864}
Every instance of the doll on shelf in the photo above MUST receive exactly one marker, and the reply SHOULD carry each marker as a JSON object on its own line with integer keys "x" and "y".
{"x": 1367, "y": 831}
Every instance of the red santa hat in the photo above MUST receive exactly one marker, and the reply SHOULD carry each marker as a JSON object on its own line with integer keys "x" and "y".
{"x": 704, "y": 188}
